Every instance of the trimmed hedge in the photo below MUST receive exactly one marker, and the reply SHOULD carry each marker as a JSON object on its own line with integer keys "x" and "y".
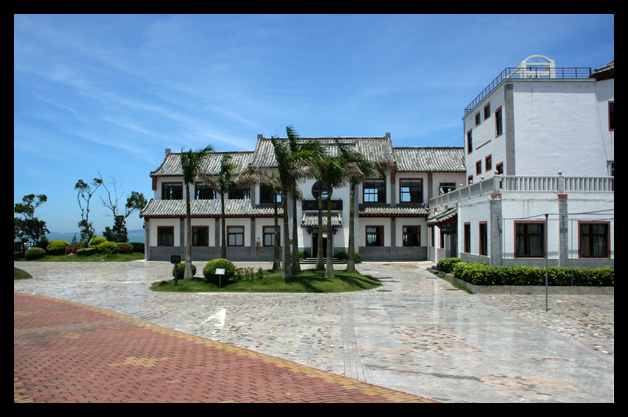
{"x": 35, "y": 253}
{"x": 57, "y": 247}
{"x": 482, "y": 274}
{"x": 209, "y": 271}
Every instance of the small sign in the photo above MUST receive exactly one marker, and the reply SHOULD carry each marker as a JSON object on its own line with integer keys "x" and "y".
{"x": 220, "y": 271}
{"x": 175, "y": 259}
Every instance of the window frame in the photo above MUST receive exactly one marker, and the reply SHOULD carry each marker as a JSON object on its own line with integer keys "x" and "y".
{"x": 379, "y": 236}
{"x": 606, "y": 236}
{"x": 195, "y": 230}
{"x": 166, "y": 185}
{"x": 161, "y": 235}
{"x": 467, "y": 237}
{"x": 231, "y": 233}
{"x": 379, "y": 192}
{"x": 409, "y": 192}
{"x": 272, "y": 234}
{"x": 404, "y": 235}
{"x": 499, "y": 122}
{"x": 483, "y": 238}
{"x": 527, "y": 236}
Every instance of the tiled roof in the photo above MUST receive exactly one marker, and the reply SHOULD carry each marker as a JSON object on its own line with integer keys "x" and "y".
{"x": 435, "y": 218}
{"x": 396, "y": 210}
{"x": 206, "y": 208}
{"x": 311, "y": 220}
{"x": 429, "y": 159}
{"x": 171, "y": 165}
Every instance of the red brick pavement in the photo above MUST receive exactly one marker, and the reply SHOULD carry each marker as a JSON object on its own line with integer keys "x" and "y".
{"x": 69, "y": 352}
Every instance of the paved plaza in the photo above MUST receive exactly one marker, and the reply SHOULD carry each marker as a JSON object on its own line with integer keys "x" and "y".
{"x": 416, "y": 335}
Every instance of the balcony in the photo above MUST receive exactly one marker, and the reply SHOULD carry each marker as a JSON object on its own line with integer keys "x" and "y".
{"x": 499, "y": 183}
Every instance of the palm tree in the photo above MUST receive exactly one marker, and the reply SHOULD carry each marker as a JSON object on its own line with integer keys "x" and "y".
{"x": 358, "y": 169}
{"x": 282, "y": 154}
{"x": 333, "y": 173}
{"x": 223, "y": 183}
{"x": 271, "y": 179}
{"x": 191, "y": 165}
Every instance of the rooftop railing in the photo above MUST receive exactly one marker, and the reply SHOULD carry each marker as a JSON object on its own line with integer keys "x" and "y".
{"x": 535, "y": 72}
{"x": 499, "y": 183}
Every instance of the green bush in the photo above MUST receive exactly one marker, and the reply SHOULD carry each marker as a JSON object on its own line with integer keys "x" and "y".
{"x": 180, "y": 270}
{"x": 344, "y": 255}
{"x": 86, "y": 251}
{"x": 209, "y": 271}
{"x": 57, "y": 247}
{"x": 107, "y": 247}
{"x": 447, "y": 264}
{"x": 35, "y": 253}
{"x": 138, "y": 246}
{"x": 97, "y": 241}
{"x": 482, "y": 274}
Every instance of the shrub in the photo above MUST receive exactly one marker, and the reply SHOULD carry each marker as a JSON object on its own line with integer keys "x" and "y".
{"x": 86, "y": 251}
{"x": 72, "y": 249}
{"x": 35, "y": 253}
{"x": 343, "y": 256}
{"x": 57, "y": 247}
{"x": 97, "y": 241}
{"x": 124, "y": 248}
{"x": 107, "y": 247}
{"x": 138, "y": 246}
{"x": 482, "y": 274}
{"x": 180, "y": 270}
{"x": 209, "y": 271}
{"x": 447, "y": 264}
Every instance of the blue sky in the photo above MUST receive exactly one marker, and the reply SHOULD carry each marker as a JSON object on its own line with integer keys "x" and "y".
{"x": 108, "y": 93}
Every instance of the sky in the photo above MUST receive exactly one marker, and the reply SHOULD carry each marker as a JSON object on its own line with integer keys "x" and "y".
{"x": 105, "y": 95}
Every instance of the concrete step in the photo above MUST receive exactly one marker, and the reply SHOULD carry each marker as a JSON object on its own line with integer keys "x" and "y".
{"x": 312, "y": 261}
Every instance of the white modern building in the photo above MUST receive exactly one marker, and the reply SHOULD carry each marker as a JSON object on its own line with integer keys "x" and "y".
{"x": 539, "y": 158}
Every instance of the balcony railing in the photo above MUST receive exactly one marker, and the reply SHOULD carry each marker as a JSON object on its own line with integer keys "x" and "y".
{"x": 499, "y": 183}
{"x": 519, "y": 72}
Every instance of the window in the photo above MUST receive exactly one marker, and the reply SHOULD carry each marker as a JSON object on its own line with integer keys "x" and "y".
{"x": 483, "y": 239}
{"x": 411, "y": 236}
{"x": 375, "y": 236}
{"x": 467, "y": 237}
{"x": 240, "y": 193}
{"x": 446, "y": 187}
{"x": 469, "y": 141}
{"x": 594, "y": 240}
{"x": 374, "y": 191}
{"x": 442, "y": 239}
{"x": 235, "y": 236}
{"x": 266, "y": 195}
{"x": 478, "y": 167}
{"x": 268, "y": 233}
{"x": 204, "y": 192}
{"x": 611, "y": 115}
{"x": 499, "y": 168}
{"x": 172, "y": 191}
{"x": 477, "y": 118}
{"x": 499, "y": 130}
{"x": 316, "y": 187}
{"x": 530, "y": 240}
{"x": 411, "y": 191}
{"x": 487, "y": 111}
{"x": 200, "y": 235}
{"x": 488, "y": 163}
{"x": 165, "y": 236}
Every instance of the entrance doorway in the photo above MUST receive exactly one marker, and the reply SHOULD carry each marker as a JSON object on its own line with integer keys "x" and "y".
{"x": 315, "y": 244}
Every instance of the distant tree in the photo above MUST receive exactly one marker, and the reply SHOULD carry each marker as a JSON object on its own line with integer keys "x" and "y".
{"x": 85, "y": 192}
{"x": 30, "y": 229}
{"x": 135, "y": 201}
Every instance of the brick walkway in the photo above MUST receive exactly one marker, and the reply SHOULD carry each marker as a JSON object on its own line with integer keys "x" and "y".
{"x": 69, "y": 352}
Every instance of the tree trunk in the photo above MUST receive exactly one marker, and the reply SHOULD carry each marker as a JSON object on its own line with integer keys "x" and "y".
{"x": 296, "y": 268}
{"x": 187, "y": 274}
{"x": 223, "y": 249}
{"x": 320, "y": 262}
{"x": 329, "y": 269}
{"x": 286, "y": 270}
{"x": 276, "y": 257}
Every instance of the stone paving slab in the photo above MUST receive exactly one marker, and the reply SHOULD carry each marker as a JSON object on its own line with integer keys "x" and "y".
{"x": 416, "y": 334}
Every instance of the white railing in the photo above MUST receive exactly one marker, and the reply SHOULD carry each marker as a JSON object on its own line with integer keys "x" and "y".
{"x": 499, "y": 183}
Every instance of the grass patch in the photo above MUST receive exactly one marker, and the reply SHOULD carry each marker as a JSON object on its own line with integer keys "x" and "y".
{"x": 96, "y": 257}
{"x": 307, "y": 281}
{"x": 20, "y": 274}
